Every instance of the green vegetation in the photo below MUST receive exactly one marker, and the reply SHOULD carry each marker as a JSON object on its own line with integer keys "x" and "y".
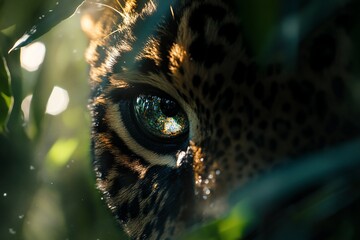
{"x": 47, "y": 187}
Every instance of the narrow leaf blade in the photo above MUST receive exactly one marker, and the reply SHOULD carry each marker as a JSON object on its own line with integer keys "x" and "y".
{"x": 62, "y": 10}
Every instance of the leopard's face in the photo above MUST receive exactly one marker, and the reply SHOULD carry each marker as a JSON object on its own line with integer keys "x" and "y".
{"x": 182, "y": 114}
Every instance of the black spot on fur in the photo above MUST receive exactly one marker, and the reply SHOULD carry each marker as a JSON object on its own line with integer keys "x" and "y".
{"x": 286, "y": 107}
{"x": 219, "y": 154}
{"x": 196, "y": 81}
{"x": 338, "y": 87}
{"x": 281, "y": 127}
{"x": 101, "y": 52}
{"x": 259, "y": 141}
{"x": 263, "y": 124}
{"x": 207, "y": 53}
{"x": 146, "y": 209}
{"x": 226, "y": 99}
{"x": 239, "y": 73}
{"x": 118, "y": 65}
{"x": 308, "y": 132}
{"x": 272, "y": 144}
{"x": 207, "y": 113}
{"x": 270, "y": 99}
{"x": 205, "y": 89}
{"x": 219, "y": 133}
{"x": 145, "y": 190}
{"x": 322, "y": 52}
{"x": 214, "y": 90}
{"x": 251, "y": 74}
{"x": 100, "y": 124}
{"x": 216, "y": 55}
{"x": 273, "y": 69}
{"x": 251, "y": 151}
{"x": 250, "y": 136}
{"x": 302, "y": 91}
{"x": 105, "y": 161}
{"x": 226, "y": 142}
{"x": 229, "y": 31}
{"x": 235, "y": 127}
{"x": 219, "y": 80}
{"x": 296, "y": 141}
{"x": 241, "y": 159}
{"x": 134, "y": 208}
{"x": 259, "y": 90}
{"x": 125, "y": 178}
{"x": 217, "y": 118}
{"x": 191, "y": 94}
{"x": 140, "y": 5}
{"x": 249, "y": 110}
{"x": 320, "y": 104}
{"x": 122, "y": 212}
{"x": 332, "y": 123}
{"x": 147, "y": 65}
{"x": 301, "y": 117}
{"x": 199, "y": 16}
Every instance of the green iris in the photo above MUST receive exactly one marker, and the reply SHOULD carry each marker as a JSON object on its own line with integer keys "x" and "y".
{"x": 160, "y": 116}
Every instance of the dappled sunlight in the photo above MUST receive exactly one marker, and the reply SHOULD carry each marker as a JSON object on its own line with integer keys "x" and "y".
{"x": 58, "y": 101}
{"x": 45, "y": 151}
{"x": 61, "y": 152}
{"x": 45, "y": 213}
{"x": 25, "y": 107}
{"x": 32, "y": 56}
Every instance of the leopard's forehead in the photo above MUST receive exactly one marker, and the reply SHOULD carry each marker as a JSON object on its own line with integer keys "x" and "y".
{"x": 242, "y": 118}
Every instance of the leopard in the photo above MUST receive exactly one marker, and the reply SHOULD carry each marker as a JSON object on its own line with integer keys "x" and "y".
{"x": 183, "y": 112}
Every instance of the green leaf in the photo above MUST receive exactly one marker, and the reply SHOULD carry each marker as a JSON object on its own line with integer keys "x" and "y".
{"x": 62, "y": 10}
{"x": 6, "y": 99}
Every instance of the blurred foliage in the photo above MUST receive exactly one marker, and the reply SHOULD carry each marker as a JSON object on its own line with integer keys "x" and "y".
{"x": 315, "y": 197}
{"x": 5, "y": 94}
{"x": 47, "y": 184}
{"x": 47, "y": 187}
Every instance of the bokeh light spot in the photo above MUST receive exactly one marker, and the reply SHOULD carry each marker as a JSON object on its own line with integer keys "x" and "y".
{"x": 32, "y": 56}
{"x": 58, "y": 101}
{"x": 25, "y": 107}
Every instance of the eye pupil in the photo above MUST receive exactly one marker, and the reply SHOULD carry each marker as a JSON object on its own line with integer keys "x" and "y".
{"x": 169, "y": 107}
{"x": 160, "y": 116}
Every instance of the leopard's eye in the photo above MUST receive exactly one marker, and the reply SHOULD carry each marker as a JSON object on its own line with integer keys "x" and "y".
{"x": 152, "y": 119}
{"x": 160, "y": 116}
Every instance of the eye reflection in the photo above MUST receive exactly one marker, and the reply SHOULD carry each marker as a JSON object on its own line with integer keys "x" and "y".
{"x": 160, "y": 116}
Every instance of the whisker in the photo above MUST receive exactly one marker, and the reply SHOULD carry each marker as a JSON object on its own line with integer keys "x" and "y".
{"x": 110, "y": 7}
{"x": 120, "y": 5}
{"x": 115, "y": 31}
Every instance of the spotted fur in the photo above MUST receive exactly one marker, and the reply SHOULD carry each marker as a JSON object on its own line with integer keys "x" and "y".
{"x": 243, "y": 118}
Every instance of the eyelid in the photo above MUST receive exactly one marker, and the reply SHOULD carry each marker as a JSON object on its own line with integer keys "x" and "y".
{"x": 130, "y": 91}
{"x": 123, "y": 98}
{"x": 118, "y": 125}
